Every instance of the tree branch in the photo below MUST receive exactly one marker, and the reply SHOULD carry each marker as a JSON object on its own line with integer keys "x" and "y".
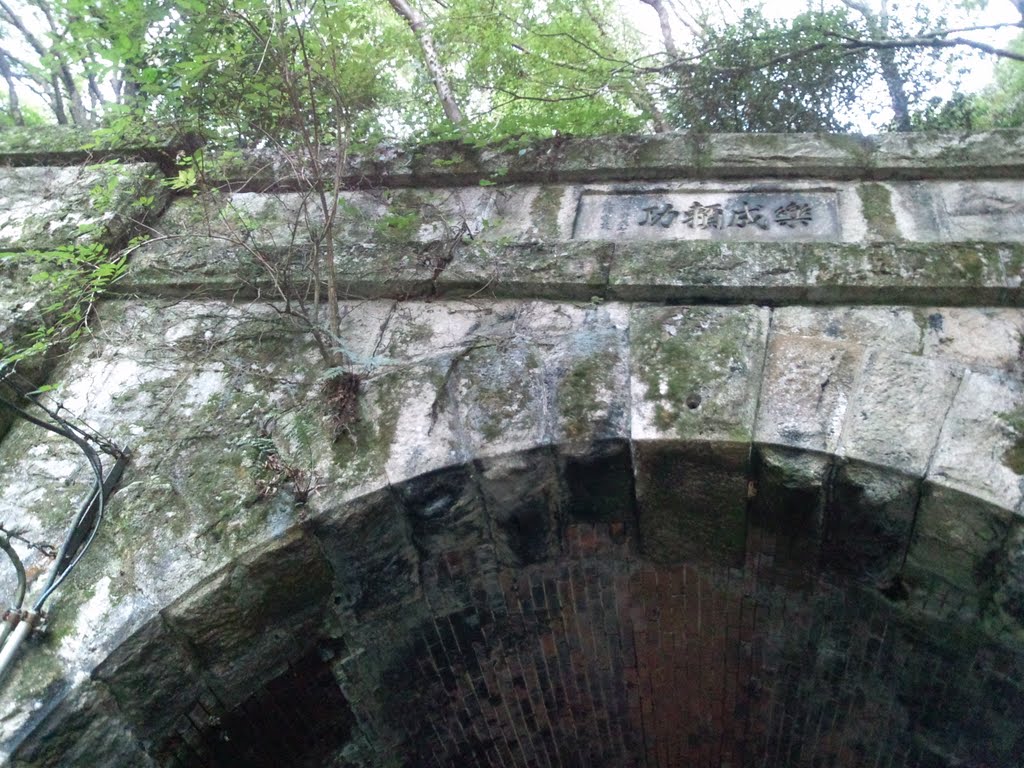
{"x": 929, "y": 41}
{"x": 843, "y": 43}
{"x": 666, "y": 28}
{"x": 13, "y": 107}
{"x": 426, "y": 40}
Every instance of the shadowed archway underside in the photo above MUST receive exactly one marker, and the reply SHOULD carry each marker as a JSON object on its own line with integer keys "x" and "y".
{"x": 508, "y": 612}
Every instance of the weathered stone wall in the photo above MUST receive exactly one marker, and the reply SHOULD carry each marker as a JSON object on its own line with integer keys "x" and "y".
{"x": 670, "y": 451}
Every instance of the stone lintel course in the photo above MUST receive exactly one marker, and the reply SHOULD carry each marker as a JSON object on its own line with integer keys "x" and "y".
{"x": 604, "y": 502}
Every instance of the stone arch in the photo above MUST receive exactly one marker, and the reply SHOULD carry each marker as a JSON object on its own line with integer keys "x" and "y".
{"x": 504, "y": 612}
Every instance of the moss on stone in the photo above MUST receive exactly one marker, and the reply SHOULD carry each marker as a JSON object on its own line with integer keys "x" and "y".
{"x": 363, "y": 452}
{"x": 495, "y": 384}
{"x": 687, "y": 358}
{"x": 410, "y": 339}
{"x": 48, "y": 140}
{"x": 544, "y": 210}
{"x": 1013, "y": 457}
{"x": 44, "y": 138}
{"x": 701, "y": 152}
{"x": 860, "y": 149}
{"x": 578, "y": 392}
{"x": 876, "y": 203}
{"x": 35, "y": 671}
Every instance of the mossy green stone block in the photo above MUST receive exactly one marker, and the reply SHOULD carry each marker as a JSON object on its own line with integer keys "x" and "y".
{"x": 696, "y": 371}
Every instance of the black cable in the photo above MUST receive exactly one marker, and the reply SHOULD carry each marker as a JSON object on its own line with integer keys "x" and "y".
{"x": 27, "y": 390}
{"x": 5, "y": 545}
{"x": 96, "y": 496}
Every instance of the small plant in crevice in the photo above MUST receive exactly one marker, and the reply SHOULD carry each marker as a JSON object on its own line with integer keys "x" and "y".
{"x": 340, "y": 390}
{"x": 272, "y": 472}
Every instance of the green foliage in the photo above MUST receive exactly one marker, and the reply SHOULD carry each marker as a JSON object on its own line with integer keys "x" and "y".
{"x": 539, "y": 69}
{"x": 771, "y": 75}
{"x": 1013, "y": 457}
{"x": 1001, "y": 105}
{"x": 352, "y": 73}
{"x": 271, "y": 469}
{"x": 73, "y": 278}
{"x": 252, "y": 71}
{"x": 398, "y": 226}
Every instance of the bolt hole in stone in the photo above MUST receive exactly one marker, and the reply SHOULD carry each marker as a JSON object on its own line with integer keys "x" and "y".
{"x": 693, "y": 401}
{"x": 895, "y": 590}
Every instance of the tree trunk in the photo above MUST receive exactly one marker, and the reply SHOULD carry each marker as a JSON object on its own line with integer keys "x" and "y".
{"x": 640, "y": 96}
{"x": 13, "y": 106}
{"x": 897, "y": 89}
{"x": 666, "y": 28}
{"x": 878, "y": 29}
{"x": 419, "y": 28}
{"x": 57, "y": 101}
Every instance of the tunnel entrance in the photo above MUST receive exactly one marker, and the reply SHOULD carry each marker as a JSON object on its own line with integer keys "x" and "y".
{"x": 500, "y": 615}
{"x": 597, "y": 658}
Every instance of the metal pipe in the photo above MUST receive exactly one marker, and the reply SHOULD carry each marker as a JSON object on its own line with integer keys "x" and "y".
{"x": 17, "y": 624}
{"x": 10, "y": 649}
{"x": 10, "y": 620}
{"x": 13, "y": 614}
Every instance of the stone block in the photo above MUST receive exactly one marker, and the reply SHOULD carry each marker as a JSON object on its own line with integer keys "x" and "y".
{"x": 415, "y": 332}
{"x": 982, "y": 336}
{"x": 815, "y": 273}
{"x": 444, "y": 510}
{"x": 521, "y": 493}
{"x": 894, "y": 329}
{"x": 978, "y": 209}
{"x": 233, "y": 679}
{"x": 587, "y": 376}
{"x": 957, "y": 539}
{"x": 897, "y": 411}
{"x": 598, "y": 484}
{"x": 154, "y": 678}
{"x": 1005, "y": 618}
{"x": 692, "y": 501}
{"x": 980, "y": 451}
{"x": 567, "y": 271}
{"x": 696, "y": 372}
{"x": 416, "y": 427}
{"x": 499, "y": 390}
{"x": 367, "y": 542}
{"x": 268, "y": 588}
{"x": 869, "y": 516}
{"x": 43, "y": 208}
{"x": 807, "y": 388}
{"x": 392, "y": 270}
{"x": 83, "y": 729}
{"x": 531, "y": 213}
{"x": 788, "y": 508}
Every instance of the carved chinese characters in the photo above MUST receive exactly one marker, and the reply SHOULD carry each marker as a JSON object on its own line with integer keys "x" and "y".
{"x": 717, "y": 216}
{"x": 659, "y": 214}
{"x": 708, "y": 214}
